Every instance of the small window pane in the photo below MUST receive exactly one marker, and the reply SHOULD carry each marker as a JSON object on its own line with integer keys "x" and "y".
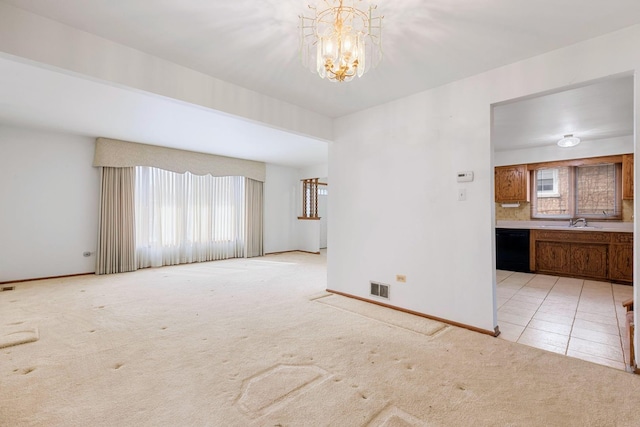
{"x": 547, "y": 182}
{"x": 596, "y": 190}
{"x": 553, "y": 192}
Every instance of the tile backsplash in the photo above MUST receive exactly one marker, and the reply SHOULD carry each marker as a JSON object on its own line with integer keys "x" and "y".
{"x": 523, "y": 213}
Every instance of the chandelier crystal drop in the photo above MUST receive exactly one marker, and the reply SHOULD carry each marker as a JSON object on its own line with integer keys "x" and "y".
{"x": 340, "y": 41}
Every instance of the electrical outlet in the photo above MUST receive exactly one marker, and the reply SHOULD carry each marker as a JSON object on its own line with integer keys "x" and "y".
{"x": 401, "y": 278}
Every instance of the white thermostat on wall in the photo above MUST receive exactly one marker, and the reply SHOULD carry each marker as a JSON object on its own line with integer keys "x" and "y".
{"x": 466, "y": 176}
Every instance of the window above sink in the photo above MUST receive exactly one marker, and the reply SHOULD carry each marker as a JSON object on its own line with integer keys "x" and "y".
{"x": 589, "y": 190}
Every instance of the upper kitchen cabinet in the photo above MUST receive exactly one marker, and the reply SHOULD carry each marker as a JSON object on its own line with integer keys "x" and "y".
{"x": 512, "y": 184}
{"x": 627, "y": 177}
{"x": 527, "y": 130}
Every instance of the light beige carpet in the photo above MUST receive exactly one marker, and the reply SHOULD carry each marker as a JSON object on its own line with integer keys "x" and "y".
{"x": 16, "y": 334}
{"x": 383, "y": 315}
{"x": 250, "y": 343}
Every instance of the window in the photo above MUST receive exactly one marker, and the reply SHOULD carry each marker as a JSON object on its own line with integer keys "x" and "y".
{"x": 310, "y": 192}
{"x": 591, "y": 191}
{"x": 596, "y": 190}
{"x": 547, "y": 183}
{"x": 183, "y": 218}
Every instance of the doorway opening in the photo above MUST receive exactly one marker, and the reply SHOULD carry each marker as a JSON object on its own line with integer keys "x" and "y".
{"x": 568, "y": 298}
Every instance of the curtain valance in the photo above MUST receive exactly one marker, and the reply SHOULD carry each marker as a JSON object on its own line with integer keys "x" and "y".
{"x": 119, "y": 154}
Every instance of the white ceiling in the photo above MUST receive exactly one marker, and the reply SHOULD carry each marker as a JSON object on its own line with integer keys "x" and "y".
{"x": 597, "y": 111}
{"x": 254, "y": 44}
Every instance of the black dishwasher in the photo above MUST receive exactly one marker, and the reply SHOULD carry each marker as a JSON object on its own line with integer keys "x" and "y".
{"x": 512, "y": 249}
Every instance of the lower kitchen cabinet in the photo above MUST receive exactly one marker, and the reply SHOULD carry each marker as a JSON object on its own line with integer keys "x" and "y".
{"x": 575, "y": 259}
{"x": 621, "y": 257}
{"x": 585, "y": 254}
{"x": 552, "y": 257}
{"x": 590, "y": 260}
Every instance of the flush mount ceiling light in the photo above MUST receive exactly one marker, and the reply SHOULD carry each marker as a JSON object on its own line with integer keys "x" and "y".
{"x": 340, "y": 41}
{"x": 569, "y": 141}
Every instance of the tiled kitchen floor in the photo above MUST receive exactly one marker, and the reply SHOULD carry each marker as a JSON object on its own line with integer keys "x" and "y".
{"x": 579, "y": 318}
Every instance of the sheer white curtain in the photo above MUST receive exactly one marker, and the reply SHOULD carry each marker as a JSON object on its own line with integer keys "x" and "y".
{"x": 183, "y": 218}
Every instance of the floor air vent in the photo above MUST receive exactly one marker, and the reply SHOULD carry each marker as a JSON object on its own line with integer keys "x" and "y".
{"x": 380, "y": 290}
{"x": 7, "y": 288}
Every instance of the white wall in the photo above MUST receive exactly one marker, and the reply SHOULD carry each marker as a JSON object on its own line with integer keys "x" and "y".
{"x": 281, "y": 208}
{"x": 593, "y": 148}
{"x": 322, "y": 211}
{"x": 49, "y": 194}
{"x": 317, "y": 171}
{"x": 308, "y": 235}
{"x": 393, "y": 207}
{"x": 283, "y": 231}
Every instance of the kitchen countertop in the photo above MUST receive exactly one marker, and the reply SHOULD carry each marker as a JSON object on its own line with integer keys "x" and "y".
{"x": 609, "y": 226}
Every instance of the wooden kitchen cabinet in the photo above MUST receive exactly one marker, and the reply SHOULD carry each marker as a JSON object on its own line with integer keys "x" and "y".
{"x": 553, "y": 257}
{"x": 511, "y": 184}
{"x": 627, "y": 177}
{"x": 590, "y": 260}
{"x": 588, "y": 254}
{"x": 574, "y": 259}
{"x": 621, "y": 257}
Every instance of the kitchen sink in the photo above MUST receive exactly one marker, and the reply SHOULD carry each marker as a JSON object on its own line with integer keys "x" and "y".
{"x": 568, "y": 227}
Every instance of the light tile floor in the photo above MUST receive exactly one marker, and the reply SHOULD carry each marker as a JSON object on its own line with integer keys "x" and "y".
{"x": 579, "y": 318}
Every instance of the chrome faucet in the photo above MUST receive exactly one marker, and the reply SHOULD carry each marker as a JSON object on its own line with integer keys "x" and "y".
{"x": 574, "y": 222}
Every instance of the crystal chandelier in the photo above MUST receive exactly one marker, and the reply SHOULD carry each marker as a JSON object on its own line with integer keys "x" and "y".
{"x": 340, "y": 41}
